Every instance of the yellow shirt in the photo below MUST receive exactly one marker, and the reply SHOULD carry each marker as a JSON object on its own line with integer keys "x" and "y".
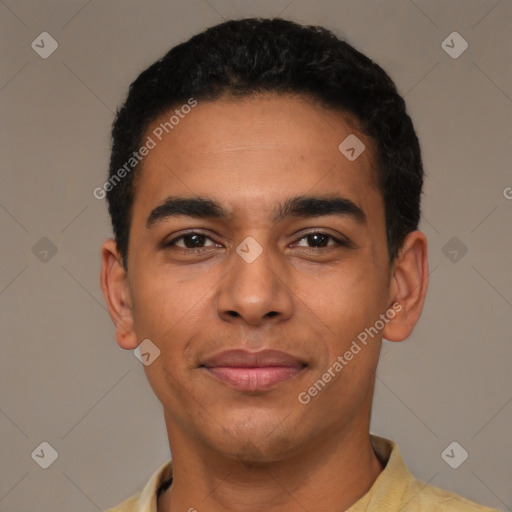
{"x": 394, "y": 490}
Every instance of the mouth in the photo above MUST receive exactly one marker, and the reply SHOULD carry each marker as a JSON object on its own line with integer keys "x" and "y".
{"x": 253, "y": 371}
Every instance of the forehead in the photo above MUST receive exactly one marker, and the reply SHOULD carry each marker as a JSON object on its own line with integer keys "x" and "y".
{"x": 252, "y": 152}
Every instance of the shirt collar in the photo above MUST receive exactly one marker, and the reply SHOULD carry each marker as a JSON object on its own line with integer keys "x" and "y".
{"x": 392, "y": 481}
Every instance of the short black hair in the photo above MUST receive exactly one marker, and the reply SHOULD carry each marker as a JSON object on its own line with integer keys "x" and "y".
{"x": 241, "y": 58}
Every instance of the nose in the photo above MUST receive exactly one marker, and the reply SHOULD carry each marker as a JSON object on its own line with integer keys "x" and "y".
{"x": 255, "y": 292}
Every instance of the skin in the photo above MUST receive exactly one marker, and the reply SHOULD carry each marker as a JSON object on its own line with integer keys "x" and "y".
{"x": 251, "y": 451}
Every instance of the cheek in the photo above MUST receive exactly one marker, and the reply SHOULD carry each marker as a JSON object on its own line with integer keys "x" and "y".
{"x": 156, "y": 305}
{"x": 352, "y": 304}
{"x": 169, "y": 311}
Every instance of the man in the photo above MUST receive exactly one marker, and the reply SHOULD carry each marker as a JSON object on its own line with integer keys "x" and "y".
{"x": 264, "y": 191}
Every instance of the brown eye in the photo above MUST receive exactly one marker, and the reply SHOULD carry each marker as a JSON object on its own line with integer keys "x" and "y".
{"x": 319, "y": 240}
{"x": 192, "y": 240}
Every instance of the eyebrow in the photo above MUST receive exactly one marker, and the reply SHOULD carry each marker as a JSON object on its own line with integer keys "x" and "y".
{"x": 298, "y": 206}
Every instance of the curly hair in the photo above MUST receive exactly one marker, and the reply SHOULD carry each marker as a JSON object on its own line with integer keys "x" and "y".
{"x": 246, "y": 57}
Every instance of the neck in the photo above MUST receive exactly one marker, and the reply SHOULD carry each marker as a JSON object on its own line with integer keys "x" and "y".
{"x": 327, "y": 477}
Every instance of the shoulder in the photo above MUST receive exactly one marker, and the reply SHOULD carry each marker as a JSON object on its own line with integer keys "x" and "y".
{"x": 427, "y": 498}
{"x": 397, "y": 488}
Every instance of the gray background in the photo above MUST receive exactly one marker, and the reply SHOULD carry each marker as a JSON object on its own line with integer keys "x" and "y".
{"x": 63, "y": 378}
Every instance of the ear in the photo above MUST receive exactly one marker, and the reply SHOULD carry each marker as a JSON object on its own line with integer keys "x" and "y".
{"x": 114, "y": 283}
{"x": 409, "y": 283}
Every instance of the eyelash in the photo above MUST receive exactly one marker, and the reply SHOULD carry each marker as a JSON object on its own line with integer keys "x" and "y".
{"x": 338, "y": 242}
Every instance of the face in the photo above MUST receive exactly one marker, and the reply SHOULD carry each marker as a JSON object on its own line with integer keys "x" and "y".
{"x": 287, "y": 284}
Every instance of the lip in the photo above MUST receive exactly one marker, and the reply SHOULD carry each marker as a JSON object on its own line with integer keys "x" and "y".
{"x": 253, "y": 371}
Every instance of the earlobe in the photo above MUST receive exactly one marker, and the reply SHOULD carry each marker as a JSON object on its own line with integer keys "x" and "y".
{"x": 409, "y": 283}
{"x": 114, "y": 283}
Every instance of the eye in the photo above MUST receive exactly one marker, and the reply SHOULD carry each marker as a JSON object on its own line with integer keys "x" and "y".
{"x": 196, "y": 241}
{"x": 320, "y": 240}
{"x": 191, "y": 241}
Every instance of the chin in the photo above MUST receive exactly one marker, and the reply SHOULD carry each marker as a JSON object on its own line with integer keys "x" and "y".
{"x": 258, "y": 439}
